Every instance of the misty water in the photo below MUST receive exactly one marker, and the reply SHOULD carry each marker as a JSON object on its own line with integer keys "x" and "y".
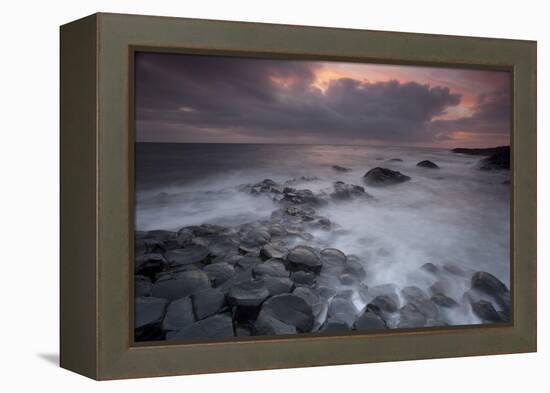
{"x": 457, "y": 215}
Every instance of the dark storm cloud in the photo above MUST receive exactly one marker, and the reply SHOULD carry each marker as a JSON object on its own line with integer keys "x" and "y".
{"x": 202, "y": 98}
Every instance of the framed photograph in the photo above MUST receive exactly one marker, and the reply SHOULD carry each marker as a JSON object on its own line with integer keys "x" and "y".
{"x": 240, "y": 196}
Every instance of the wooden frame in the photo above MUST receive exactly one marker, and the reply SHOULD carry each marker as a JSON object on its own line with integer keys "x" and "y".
{"x": 97, "y": 206}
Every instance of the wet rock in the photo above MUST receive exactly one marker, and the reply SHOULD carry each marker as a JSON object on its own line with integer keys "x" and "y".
{"x": 301, "y": 197}
{"x": 302, "y": 278}
{"x": 321, "y": 223}
{"x": 289, "y": 309}
{"x": 249, "y": 293}
{"x": 383, "y": 177}
{"x": 271, "y": 250}
{"x": 148, "y": 315}
{"x": 304, "y": 213}
{"x": 179, "y": 314}
{"x": 419, "y": 299}
{"x": 216, "y": 326}
{"x": 187, "y": 256}
{"x": 411, "y": 317}
{"x": 348, "y": 280}
{"x": 386, "y": 303}
{"x": 444, "y": 301}
{"x": 243, "y": 330}
{"x": 370, "y": 321}
{"x": 429, "y": 268}
{"x": 342, "y": 309}
{"x": 486, "y": 311}
{"x": 142, "y": 286}
{"x": 355, "y": 269}
{"x": 346, "y": 192}
{"x": 339, "y": 168}
{"x": 272, "y": 267}
{"x": 248, "y": 262}
{"x": 218, "y": 273}
{"x": 332, "y": 325}
{"x": 207, "y": 230}
{"x": 184, "y": 237}
{"x": 333, "y": 257}
{"x": 488, "y": 284}
{"x": 268, "y": 325}
{"x": 308, "y": 295}
{"x": 496, "y": 161}
{"x": 150, "y": 265}
{"x": 427, "y": 164}
{"x": 180, "y": 285}
{"x": 253, "y": 240}
{"x": 208, "y": 302}
{"x": 304, "y": 258}
{"x": 395, "y": 160}
{"x": 265, "y": 186}
{"x": 278, "y": 285}
{"x": 222, "y": 245}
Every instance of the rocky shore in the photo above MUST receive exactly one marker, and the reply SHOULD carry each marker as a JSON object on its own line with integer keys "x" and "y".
{"x": 270, "y": 277}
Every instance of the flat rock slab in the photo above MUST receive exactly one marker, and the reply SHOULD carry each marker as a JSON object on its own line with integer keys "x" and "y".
{"x": 278, "y": 285}
{"x": 273, "y": 268}
{"x": 250, "y": 293}
{"x": 289, "y": 309}
{"x": 384, "y": 177}
{"x": 270, "y": 250}
{"x": 149, "y": 311}
{"x": 218, "y": 273}
{"x": 181, "y": 285}
{"x": 187, "y": 256}
{"x": 268, "y": 325}
{"x": 304, "y": 258}
{"x": 208, "y": 302}
{"x": 142, "y": 286}
{"x": 217, "y": 326}
{"x": 179, "y": 314}
{"x": 370, "y": 321}
{"x": 303, "y": 278}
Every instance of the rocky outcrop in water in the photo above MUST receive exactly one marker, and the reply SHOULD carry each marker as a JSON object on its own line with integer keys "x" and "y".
{"x": 427, "y": 164}
{"x": 496, "y": 157}
{"x": 384, "y": 177}
{"x": 339, "y": 168}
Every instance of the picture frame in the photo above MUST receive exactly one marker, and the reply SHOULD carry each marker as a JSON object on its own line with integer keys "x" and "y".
{"x": 97, "y": 172}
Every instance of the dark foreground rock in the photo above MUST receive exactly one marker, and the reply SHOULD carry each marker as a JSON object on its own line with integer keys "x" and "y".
{"x": 304, "y": 258}
{"x": 481, "y": 151}
{"x": 179, "y": 314}
{"x": 149, "y": 313}
{"x": 370, "y": 321}
{"x": 489, "y": 284}
{"x": 427, "y": 164}
{"x": 289, "y": 309}
{"x": 496, "y": 161}
{"x": 217, "y": 326}
{"x": 383, "y": 177}
{"x": 346, "y": 192}
{"x": 180, "y": 285}
{"x": 486, "y": 311}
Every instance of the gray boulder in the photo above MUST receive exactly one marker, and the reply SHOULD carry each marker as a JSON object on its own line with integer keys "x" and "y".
{"x": 486, "y": 311}
{"x": 218, "y": 273}
{"x": 249, "y": 293}
{"x": 427, "y": 164}
{"x": 187, "y": 256}
{"x": 272, "y": 267}
{"x": 304, "y": 258}
{"x": 179, "y": 314}
{"x": 208, "y": 302}
{"x": 216, "y": 326}
{"x": 278, "y": 285}
{"x": 370, "y": 321}
{"x": 289, "y": 309}
{"x": 383, "y": 177}
{"x": 148, "y": 315}
{"x": 181, "y": 285}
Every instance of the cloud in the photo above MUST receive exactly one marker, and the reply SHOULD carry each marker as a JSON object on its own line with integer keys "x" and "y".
{"x": 223, "y": 99}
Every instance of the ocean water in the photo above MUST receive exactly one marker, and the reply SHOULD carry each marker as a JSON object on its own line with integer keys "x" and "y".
{"x": 455, "y": 215}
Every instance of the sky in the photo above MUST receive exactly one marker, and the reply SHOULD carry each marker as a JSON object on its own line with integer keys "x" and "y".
{"x": 220, "y": 99}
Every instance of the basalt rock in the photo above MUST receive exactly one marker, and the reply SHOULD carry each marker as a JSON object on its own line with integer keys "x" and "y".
{"x": 339, "y": 168}
{"x": 289, "y": 309}
{"x": 218, "y": 273}
{"x": 384, "y": 177}
{"x": 370, "y": 321}
{"x": 149, "y": 313}
{"x": 427, "y": 164}
{"x": 187, "y": 256}
{"x": 346, "y": 192}
{"x": 216, "y": 326}
{"x": 181, "y": 284}
{"x": 304, "y": 258}
{"x": 208, "y": 302}
{"x": 179, "y": 314}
